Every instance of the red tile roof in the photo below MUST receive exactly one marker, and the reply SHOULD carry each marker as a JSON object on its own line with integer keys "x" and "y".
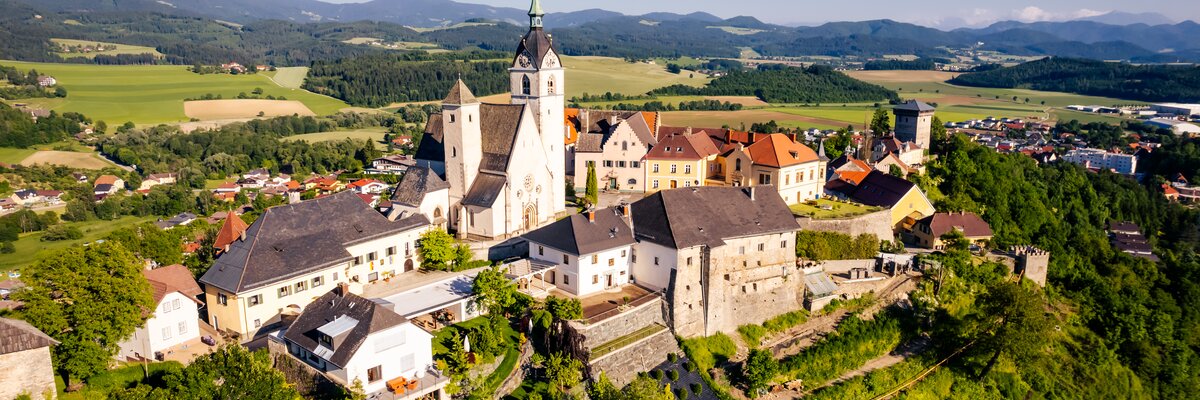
{"x": 778, "y": 150}
{"x": 683, "y": 147}
{"x": 231, "y": 230}
{"x": 107, "y": 180}
{"x": 173, "y": 278}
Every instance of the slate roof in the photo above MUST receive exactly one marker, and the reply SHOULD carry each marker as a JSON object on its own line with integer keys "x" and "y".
{"x": 17, "y": 335}
{"x": 687, "y": 217}
{"x": 499, "y": 123}
{"x": 460, "y": 94}
{"x": 368, "y": 318}
{"x": 590, "y": 143}
{"x": 777, "y": 150}
{"x": 431, "y": 147}
{"x": 172, "y": 278}
{"x": 417, "y": 182}
{"x": 914, "y": 106}
{"x": 578, "y": 236}
{"x": 882, "y": 190}
{"x": 295, "y": 239}
{"x": 485, "y": 190}
{"x": 969, "y": 223}
{"x": 537, "y": 44}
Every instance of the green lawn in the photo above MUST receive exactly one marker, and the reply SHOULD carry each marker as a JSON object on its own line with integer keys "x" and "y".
{"x": 126, "y": 375}
{"x": 838, "y": 209}
{"x": 121, "y": 48}
{"x": 153, "y": 94}
{"x": 13, "y": 156}
{"x": 1067, "y": 115}
{"x": 597, "y": 75}
{"x": 373, "y": 134}
{"x": 30, "y": 245}
{"x": 290, "y": 77}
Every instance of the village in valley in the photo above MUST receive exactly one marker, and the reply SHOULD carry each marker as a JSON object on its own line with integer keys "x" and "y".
{"x": 514, "y": 241}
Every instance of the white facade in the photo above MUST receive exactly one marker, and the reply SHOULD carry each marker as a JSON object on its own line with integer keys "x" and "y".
{"x": 401, "y": 351}
{"x": 1176, "y": 109}
{"x": 1125, "y": 164}
{"x": 654, "y": 264}
{"x": 589, "y": 273}
{"x": 176, "y": 320}
{"x": 621, "y": 164}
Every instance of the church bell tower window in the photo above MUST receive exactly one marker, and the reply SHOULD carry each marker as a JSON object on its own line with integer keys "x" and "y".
{"x": 525, "y": 85}
{"x": 550, "y": 85}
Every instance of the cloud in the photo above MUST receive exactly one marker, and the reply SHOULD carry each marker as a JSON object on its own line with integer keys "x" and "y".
{"x": 1031, "y": 14}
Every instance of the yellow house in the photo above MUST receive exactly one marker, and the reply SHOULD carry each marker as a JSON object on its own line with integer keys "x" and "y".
{"x": 680, "y": 160}
{"x": 905, "y": 200}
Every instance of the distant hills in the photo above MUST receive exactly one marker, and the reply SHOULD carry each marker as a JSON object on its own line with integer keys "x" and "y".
{"x": 1095, "y": 78}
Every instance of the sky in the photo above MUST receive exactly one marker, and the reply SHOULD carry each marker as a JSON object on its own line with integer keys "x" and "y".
{"x": 940, "y": 13}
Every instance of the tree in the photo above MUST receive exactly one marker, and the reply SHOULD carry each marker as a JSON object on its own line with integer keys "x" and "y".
{"x": 149, "y": 242}
{"x": 894, "y": 170}
{"x": 564, "y": 309}
{"x": 760, "y": 369}
{"x": 462, "y": 256}
{"x": 937, "y": 132}
{"x": 494, "y": 291}
{"x": 89, "y": 299}
{"x": 436, "y": 249}
{"x": 642, "y": 388}
{"x": 229, "y": 372}
{"x": 564, "y": 372}
{"x": 1020, "y": 323}
{"x": 881, "y": 122}
{"x": 592, "y": 193}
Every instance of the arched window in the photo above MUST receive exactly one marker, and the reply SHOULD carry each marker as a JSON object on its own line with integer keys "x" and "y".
{"x": 632, "y": 181}
{"x": 525, "y": 85}
{"x": 624, "y": 146}
{"x": 453, "y": 152}
{"x": 737, "y": 164}
{"x": 550, "y": 85}
{"x": 437, "y": 212}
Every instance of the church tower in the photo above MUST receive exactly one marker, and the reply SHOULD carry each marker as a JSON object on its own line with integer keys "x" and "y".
{"x": 538, "y": 81}
{"x": 463, "y": 145}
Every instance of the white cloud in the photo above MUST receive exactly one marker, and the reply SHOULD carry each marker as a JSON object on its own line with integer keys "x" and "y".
{"x": 1031, "y": 14}
{"x": 1084, "y": 13}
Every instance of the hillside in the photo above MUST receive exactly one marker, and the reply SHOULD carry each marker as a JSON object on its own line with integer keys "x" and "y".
{"x": 781, "y": 84}
{"x": 1095, "y": 78}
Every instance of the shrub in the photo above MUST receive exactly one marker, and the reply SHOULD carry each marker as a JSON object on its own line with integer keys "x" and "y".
{"x": 689, "y": 366}
{"x": 706, "y": 352}
{"x": 672, "y": 357}
{"x": 656, "y": 374}
{"x": 682, "y": 393}
{"x": 697, "y": 388}
{"x": 673, "y": 374}
{"x": 62, "y": 232}
{"x": 752, "y": 334}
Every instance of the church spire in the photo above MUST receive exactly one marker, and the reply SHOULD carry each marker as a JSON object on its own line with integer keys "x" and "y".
{"x": 535, "y": 15}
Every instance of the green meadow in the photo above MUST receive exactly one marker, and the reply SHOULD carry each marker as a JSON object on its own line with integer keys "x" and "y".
{"x": 121, "y": 48}
{"x": 148, "y": 95}
{"x": 598, "y": 75}
{"x": 29, "y": 245}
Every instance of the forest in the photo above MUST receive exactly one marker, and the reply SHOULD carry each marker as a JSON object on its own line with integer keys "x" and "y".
{"x": 920, "y": 64}
{"x": 1174, "y": 83}
{"x": 783, "y": 84}
{"x": 379, "y": 80}
{"x": 18, "y": 129}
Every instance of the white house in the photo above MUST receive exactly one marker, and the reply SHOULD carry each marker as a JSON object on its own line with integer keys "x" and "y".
{"x": 592, "y": 250}
{"x": 353, "y": 340}
{"x": 1095, "y": 158}
{"x": 176, "y": 317}
{"x": 421, "y": 191}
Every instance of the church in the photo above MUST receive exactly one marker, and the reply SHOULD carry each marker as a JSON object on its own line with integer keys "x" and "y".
{"x": 504, "y": 163}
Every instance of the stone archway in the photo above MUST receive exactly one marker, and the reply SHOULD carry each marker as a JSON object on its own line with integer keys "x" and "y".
{"x": 530, "y": 218}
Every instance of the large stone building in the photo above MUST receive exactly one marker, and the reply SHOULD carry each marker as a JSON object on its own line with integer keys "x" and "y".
{"x": 25, "y": 366}
{"x": 914, "y": 121}
{"x": 293, "y": 252}
{"x": 505, "y": 163}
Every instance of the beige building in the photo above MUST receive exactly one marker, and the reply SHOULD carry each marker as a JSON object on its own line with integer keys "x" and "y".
{"x": 295, "y": 253}
{"x": 681, "y": 160}
{"x": 928, "y": 231}
{"x": 795, "y": 170}
{"x": 25, "y": 366}
{"x": 615, "y": 145}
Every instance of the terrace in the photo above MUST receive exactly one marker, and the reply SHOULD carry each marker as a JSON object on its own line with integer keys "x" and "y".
{"x": 831, "y": 209}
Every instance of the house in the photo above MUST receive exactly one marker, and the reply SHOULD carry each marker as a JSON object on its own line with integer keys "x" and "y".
{"x": 908, "y": 153}
{"x": 928, "y": 231}
{"x": 848, "y": 169}
{"x": 350, "y": 340}
{"x": 175, "y": 321}
{"x": 25, "y": 365}
{"x": 1125, "y": 164}
{"x": 233, "y": 67}
{"x": 722, "y": 254}
{"x": 79, "y": 177}
{"x": 107, "y": 185}
{"x": 228, "y": 187}
{"x": 46, "y": 81}
{"x": 368, "y": 186}
{"x": 157, "y": 179}
{"x": 393, "y": 164}
{"x": 232, "y": 229}
{"x": 1170, "y": 193}
{"x": 887, "y": 162}
{"x": 179, "y": 219}
{"x": 792, "y": 168}
{"x": 421, "y": 191}
{"x": 614, "y": 143}
{"x": 1128, "y": 238}
{"x": 313, "y": 244}
{"x": 680, "y": 160}
{"x": 591, "y": 252}
{"x": 8, "y": 204}
{"x": 906, "y": 201}
{"x": 258, "y": 175}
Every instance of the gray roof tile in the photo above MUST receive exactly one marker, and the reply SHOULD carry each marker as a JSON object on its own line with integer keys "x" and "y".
{"x": 331, "y": 306}
{"x": 417, "y": 182}
{"x": 687, "y": 217}
{"x": 578, "y": 236}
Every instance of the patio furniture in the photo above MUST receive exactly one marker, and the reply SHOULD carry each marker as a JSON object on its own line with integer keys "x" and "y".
{"x": 397, "y": 385}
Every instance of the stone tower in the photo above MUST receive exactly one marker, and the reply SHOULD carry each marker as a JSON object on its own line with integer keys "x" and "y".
{"x": 539, "y": 81}
{"x": 463, "y": 144}
{"x": 914, "y": 120}
{"x": 1032, "y": 263}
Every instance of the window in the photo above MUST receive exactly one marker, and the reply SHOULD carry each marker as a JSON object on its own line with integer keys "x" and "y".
{"x": 255, "y": 300}
{"x": 541, "y": 251}
{"x": 689, "y": 261}
{"x": 632, "y": 181}
{"x": 654, "y": 184}
{"x": 566, "y": 260}
{"x": 222, "y": 299}
{"x": 301, "y": 286}
{"x": 335, "y": 276}
{"x": 633, "y": 255}
{"x": 595, "y": 258}
{"x": 166, "y": 308}
{"x": 624, "y": 146}
{"x": 372, "y": 256}
{"x": 318, "y": 281}
{"x": 376, "y": 372}
{"x": 783, "y": 244}
{"x": 608, "y": 163}
{"x": 358, "y": 260}
{"x": 453, "y": 150}
{"x": 612, "y": 262}
{"x": 800, "y": 177}
{"x": 787, "y": 179}
{"x": 452, "y": 118}
{"x": 635, "y": 164}
{"x": 175, "y": 304}
{"x": 654, "y": 167}
{"x": 620, "y": 164}
{"x": 372, "y": 277}
{"x": 595, "y": 279}
{"x": 687, "y": 183}
{"x": 764, "y": 179}
{"x": 166, "y": 332}
{"x": 737, "y": 165}
{"x": 655, "y": 260}
{"x": 566, "y": 279}
{"x": 525, "y": 85}
{"x": 391, "y": 251}
{"x": 284, "y": 291}
{"x": 326, "y": 341}
{"x": 258, "y": 323}
{"x": 742, "y": 250}
{"x": 687, "y": 169}
{"x": 182, "y": 328}
{"x": 812, "y": 174}
{"x": 762, "y": 247}
{"x": 623, "y": 252}
{"x": 550, "y": 85}
{"x": 673, "y": 169}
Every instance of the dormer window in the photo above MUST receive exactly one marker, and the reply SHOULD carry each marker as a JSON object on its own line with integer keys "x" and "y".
{"x": 326, "y": 340}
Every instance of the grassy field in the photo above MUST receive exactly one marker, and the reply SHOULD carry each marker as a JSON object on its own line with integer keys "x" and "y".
{"x": 29, "y": 245}
{"x": 289, "y": 77}
{"x": 121, "y": 48}
{"x": 123, "y": 376}
{"x": 373, "y": 134}
{"x": 597, "y": 75}
{"x": 10, "y": 155}
{"x": 150, "y": 95}
{"x": 827, "y": 209}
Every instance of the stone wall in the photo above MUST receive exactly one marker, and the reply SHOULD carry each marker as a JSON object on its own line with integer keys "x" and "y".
{"x": 27, "y": 372}
{"x": 878, "y": 223}
{"x": 622, "y": 324}
{"x": 622, "y": 366}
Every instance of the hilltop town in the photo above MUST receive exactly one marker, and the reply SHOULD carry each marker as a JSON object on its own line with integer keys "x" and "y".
{"x": 529, "y": 243}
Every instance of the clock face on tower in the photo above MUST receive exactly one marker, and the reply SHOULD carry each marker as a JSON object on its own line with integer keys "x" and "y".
{"x": 524, "y": 61}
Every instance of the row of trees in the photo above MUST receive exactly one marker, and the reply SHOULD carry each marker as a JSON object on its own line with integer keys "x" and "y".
{"x": 776, "y": 83}
{"x": 920, "y": 64}
{"x": 1095, "y": 78}
{"x": 379, "y": 80}
{"x": 694, "y": 105}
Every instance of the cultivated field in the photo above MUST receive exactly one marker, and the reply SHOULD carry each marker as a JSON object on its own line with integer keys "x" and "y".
{"x": 289, "y": 77}
{"x": 881, "y": 77}
{"x": 154, "y": 94}
{"x": 243, "y": 108}
{"x": 372, "y": 134}
{"x": 68, "y": 159}
{"x": 744, "y": 118}
{"x": 121, "y": 48}
{"x": 597, "y": 75}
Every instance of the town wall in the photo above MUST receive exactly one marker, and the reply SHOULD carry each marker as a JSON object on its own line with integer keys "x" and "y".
{"x": 622, "y": 366}
{"x": 622, "y": 324}
{"x": 878, "y": 223}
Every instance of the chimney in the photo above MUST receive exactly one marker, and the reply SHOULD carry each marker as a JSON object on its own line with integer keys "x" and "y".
{"x": 343, "y": 289}
{"x": 591, "y": 215}
{"x": 627, "y": 210}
